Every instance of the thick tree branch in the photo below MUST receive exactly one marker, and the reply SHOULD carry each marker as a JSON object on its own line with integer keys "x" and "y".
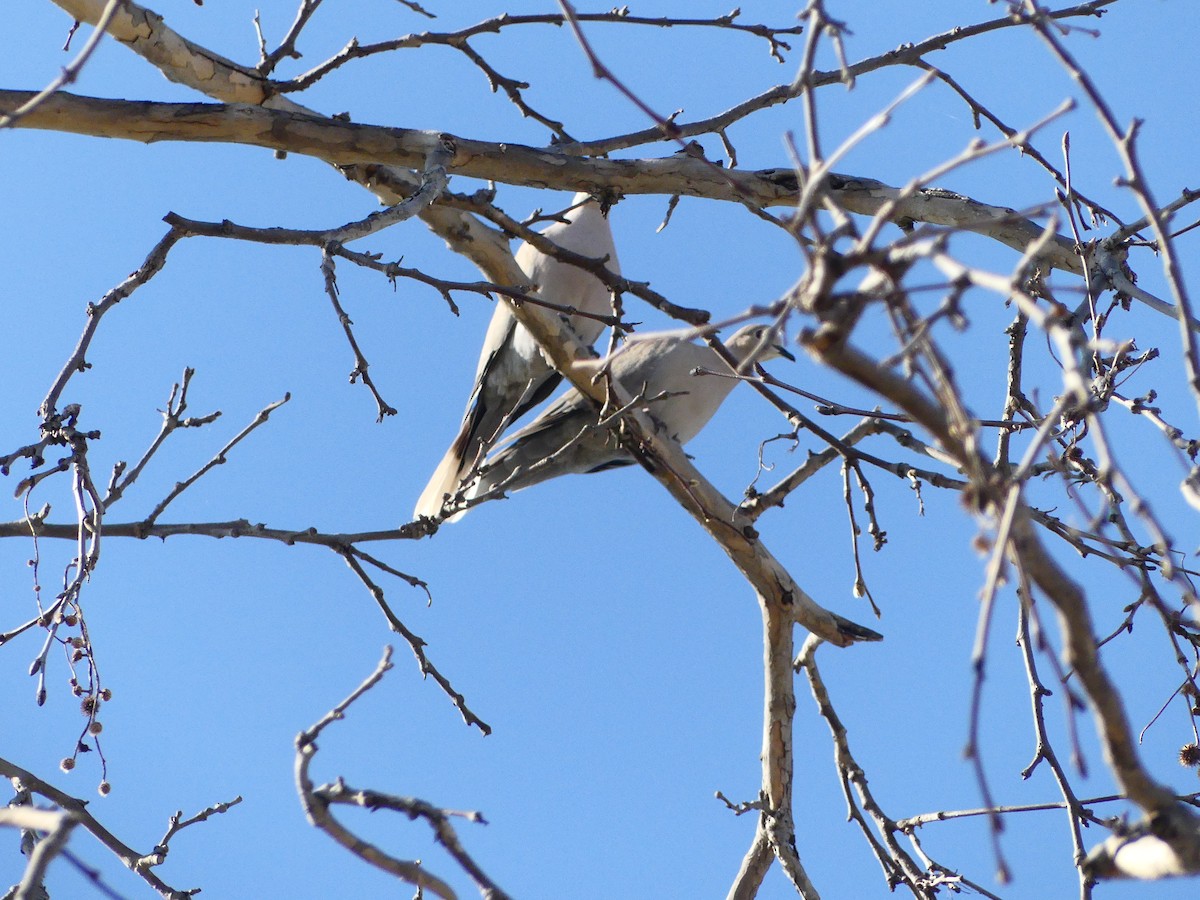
{"x": 346, "y": 143}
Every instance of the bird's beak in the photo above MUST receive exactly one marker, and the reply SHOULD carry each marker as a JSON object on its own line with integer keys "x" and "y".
{"x": 782, "y": 351}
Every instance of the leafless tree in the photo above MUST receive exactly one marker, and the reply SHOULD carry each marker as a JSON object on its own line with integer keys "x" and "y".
{"x": 1049, "y": 480}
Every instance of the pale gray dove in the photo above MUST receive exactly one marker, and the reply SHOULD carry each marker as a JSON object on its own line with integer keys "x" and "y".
{"x": 567, "y": 437}
{"x": 513, "y": 376}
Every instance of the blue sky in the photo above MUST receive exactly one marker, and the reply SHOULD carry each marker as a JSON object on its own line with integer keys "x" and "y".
{"x": 610, "y": 644}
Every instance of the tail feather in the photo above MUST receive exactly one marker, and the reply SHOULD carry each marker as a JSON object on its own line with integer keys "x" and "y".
{"x": 464, "y": 451}
{"x": 481, "y": 426}
{"x": 444, "y": 481}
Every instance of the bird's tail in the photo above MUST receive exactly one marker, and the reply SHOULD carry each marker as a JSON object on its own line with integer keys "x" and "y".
{"x": 463, "y": 452}
{"x": 484, "y": 422}
{"x": 444, "y": 481}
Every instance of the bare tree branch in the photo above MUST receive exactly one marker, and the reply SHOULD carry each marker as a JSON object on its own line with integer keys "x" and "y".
{"x": 317, "y": 800}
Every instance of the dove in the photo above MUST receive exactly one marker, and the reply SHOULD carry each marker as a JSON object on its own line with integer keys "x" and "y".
{"x": 568, "y": 436}
{"x": 513, "y": 375}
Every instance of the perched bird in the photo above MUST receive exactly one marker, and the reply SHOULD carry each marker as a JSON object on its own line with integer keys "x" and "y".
{"x": 513, "y": 376}
{"x": 568, "y": 436}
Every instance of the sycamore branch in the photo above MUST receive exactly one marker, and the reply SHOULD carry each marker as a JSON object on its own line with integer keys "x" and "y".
{"x": 342, "y": 143}
{"x": 135, "y": 861}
